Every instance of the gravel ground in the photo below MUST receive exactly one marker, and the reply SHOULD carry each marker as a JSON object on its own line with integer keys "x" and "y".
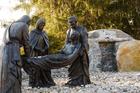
{"x": 102, "y": 82}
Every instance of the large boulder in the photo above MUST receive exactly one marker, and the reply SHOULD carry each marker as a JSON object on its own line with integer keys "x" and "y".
{"x": 128, "y": 56}
{"x": 103, "y": 35}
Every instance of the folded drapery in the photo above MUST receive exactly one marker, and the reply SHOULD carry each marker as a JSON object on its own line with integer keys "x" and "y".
{"x": 53, "y": 61}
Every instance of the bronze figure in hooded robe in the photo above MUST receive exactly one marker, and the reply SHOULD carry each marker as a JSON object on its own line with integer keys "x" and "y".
{"x": 17, "y": 37}
{"x": 39, "y": 43}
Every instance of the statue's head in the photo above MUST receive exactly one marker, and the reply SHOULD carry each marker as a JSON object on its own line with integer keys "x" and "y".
{"x": 72, "y": 20}
{"x": 40, "y": 23}
{"x": 25, "y": 19}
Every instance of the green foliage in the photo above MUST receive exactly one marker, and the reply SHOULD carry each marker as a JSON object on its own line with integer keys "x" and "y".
{"x": 57, "y": 41}
{"x": 94, "y": 14}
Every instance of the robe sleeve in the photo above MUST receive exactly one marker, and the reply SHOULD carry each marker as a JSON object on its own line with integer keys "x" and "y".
{"x": 25, "y": 37}
{"x": 85, "y": 38}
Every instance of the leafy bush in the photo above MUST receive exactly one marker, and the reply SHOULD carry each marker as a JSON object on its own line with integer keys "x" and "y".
{"x": 93, "y": 14}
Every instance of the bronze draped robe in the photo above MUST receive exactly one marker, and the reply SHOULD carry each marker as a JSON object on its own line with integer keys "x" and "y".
{"x": 11, "y": 60}
{"x": 39, "y": 42}
{"x": 74, "y": 53}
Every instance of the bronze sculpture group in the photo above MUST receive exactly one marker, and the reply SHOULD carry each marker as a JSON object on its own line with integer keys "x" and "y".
{"x": 36, "y": 62}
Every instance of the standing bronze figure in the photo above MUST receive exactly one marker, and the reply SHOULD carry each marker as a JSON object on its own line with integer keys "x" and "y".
{"x": 79, "y": 69}
{"x": 74, "y": 54}
{"x": 17, "y": 34}
{"x": 39, "y": 47}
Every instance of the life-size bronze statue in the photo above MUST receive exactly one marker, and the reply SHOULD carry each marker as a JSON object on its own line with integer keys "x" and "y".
{"x": 17, "y": 34}
{"x": 79, "y": 69}
{"x": 74, "y": 54}
{"x": 39, "y": 47}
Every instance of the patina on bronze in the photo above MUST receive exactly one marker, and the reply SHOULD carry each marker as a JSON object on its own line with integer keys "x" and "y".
{"x": 39, "y": 43}
{"x": 74, "y": 54}
{"x": 18, "y": 36}
{"x": 78, "y": 34}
